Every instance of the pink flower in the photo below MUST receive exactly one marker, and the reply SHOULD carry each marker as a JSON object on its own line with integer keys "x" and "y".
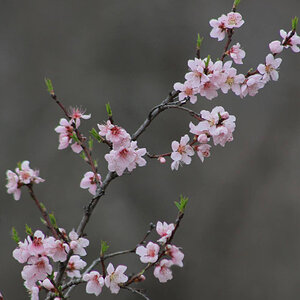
{"x": 162, "y": 160}
{"x": 114, "y": 134}
{"x": 234, "y": 20}
{"x": 187, "y": 90}
{"x": 232, "y": 82}
{"x": 47, "y": 284}
{"x": 76, "y": 147}
{"x": 209, "y": 90}
{"x": 148, "y": 254}
{"x": 114, "y": 277}
{"x": 89, "y": 182}
{"x": 21, "y": 254}
{"x": 181, "y": 152}
{"x": 56, "y": 249}
{"x": 251, "y": 85}
{"x": 197, "y": 75}
{"x": 203, "y": 151}
{"x": 13, "y": 184}
{"x": 200, "y": 130}
{"x": 164, "y": 230}
{"x": 76, "y": 114}
{"x": 219, "y": 28}
{"x": 95, "y": 282}
{"x": 176, "y": 255}
{"x": 269, "y": 70}
{"x": 28, "y": 175}
{"x": 275, "y": 47}
{"x": 65, "y": 130}
{"x": 34, "y": 292}
{"x": 36, "y": 245}
{"x": 37, "y": 269}
{"x": 74, "y": 265}
{"x": 162, "y": 271}
{"x": 293, "y": 42}
{"x": 125, "y": 157}
{"x": 236, "y": 53}
{"x": 78, "y": 244}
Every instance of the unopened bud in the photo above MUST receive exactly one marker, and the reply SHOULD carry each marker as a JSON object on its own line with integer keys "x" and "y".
{"x": 140, "y": 278}
{"x": 162, "y": 160}
{"x": 275, "y": 47}
{"x": 202, "y": 138}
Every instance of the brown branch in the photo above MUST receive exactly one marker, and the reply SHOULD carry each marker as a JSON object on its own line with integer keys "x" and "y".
{"x": 136, "y": 291}
{"x": 43, "y": 211}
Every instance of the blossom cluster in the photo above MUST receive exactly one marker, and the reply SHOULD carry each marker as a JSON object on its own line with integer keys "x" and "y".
{"x": 217, "y": 124}
{"x": 23, "y": 175}
{"x": 35, "y": 252}
{"x": 125, "y": 153}
{"x": 67, "y": 128}
{"x": 206, "y": 77}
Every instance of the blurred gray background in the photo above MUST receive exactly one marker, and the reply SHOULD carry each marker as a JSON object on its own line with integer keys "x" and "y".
{"x": 241, "y": 231}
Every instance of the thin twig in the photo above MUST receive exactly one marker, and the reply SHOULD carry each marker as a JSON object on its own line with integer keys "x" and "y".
{"x": 43, "y": 211}
{"x": 135, "y": 291}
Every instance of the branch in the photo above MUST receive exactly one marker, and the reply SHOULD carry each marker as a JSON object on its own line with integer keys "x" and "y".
{"x": 135, "y": 291}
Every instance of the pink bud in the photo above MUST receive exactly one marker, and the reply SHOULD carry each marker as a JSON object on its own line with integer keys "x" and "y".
{"x": 202, "y": 138}
{"x": 275, "y": 47}
{"x": 162, "y": 160}
{"x": 225, "y": 115}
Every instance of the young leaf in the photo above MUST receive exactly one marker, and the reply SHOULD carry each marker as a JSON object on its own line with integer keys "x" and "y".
{"x": 53, "y": 220}
{"x": 91, "y": 143}
{"x": 199, "y": 41}
{"x": 49, "y": 86}
{"x": 43, "y": 221}
{"x": 207, "y": 61}
{"x": 236, "y": 3}
{"x": 28, "y": 230}
{"x": 14, "y": 235}
{"x": 108, "y": 109}
{"x": 95, "y": 134}
{"x": 75, "y": 138}
{"x": 182, "y": 204}
{"x": 104, "y": 247}
{"x": 295, "y": 23}
{"x": 83, "y": 156}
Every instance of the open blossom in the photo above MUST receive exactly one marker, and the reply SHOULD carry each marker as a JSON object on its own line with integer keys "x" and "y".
{"x": 236, "y": 53}
{"x": 175, "y": 254}
{"x": 221, "y": 127}
{"x": 95, "y": 282}
{"x": 114, "y": 134}
{"x": 293, "y": 42}
{"x": 164, "y": 230}
{"x": 114, "y": 277}
{"x": 12, "y": 184}
{"x": 74, "y": 265}
{"x": 162, "y": 271}
{"x": 89, "y": 182}
{"x": 219, "y": 28}
{"x": 148, "y": 254}
{"x": 126, "y": 157}
{"x": 78, "y": 244}
{"x": 234, "y": 20}
{"x": 203, "y": 151}
{"x": 21, "y": 254}
{"x": 209, "y": 90}
{"x": 76, "y": 114}
{"x": 38, "y": 268}
{"x": 201, "y": 131}
{"x": 197, "y": 75}
{"x": 251, "y": 85}
{"x": 187, "y": 89}
{"x": 269, "y": 70}
{"x": 275, "y": 47}
{"x": 65, "y": 130}
{"x": 182, "y": 152}
{"x": 36, "y": 245}
{"x": 56, "y": 249}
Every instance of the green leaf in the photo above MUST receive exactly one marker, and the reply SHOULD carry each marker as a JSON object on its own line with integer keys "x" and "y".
{"x": 43, "y": 206}
{"x": 108, "y": 109}
{"x": 199, "y": 41}
{"x": 95, "y": 163}
{"x": 53, "y": 220}
{"x": 104, "y": 247}
{"x": 28, "y": 230}
{"x": 19, "y": 165}
{"x": 49, "y": 86}
{"x": 14, "y": 235}
{"x": 75, "y": 138}
{"x": 43, "y": 221}
{"x": 95, "y": 134}
{"x": 207, "y": 61}
{"x": 236, "y": 3}
{"x": 295, "y": 23}
{"x": 91, "y": 142}
{"x": 182, "y": 204}
{"x": 83, "y": 156}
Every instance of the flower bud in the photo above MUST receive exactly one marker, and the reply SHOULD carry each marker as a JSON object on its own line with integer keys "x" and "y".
{"x": 275, "y": 47}
{"x": 162, "y": 160}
